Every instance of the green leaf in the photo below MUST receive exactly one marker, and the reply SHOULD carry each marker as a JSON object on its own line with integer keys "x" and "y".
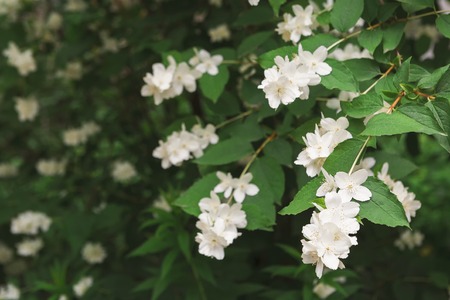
{"x": 413, "y": 119}
{"x": 280, "y": 150}
{"x": 266, "y": 60}
{"x": 188, "y": 201}
{"x": 313, "y": 42}
{"x": 441, "y": 111}
{"x": 363, "y": 68}
{"x": 302, "y": 130}
{"x": 392, "y": 36}
{"x": 304, "y": 198}
{"x": 363, "y": 105}
{"x": 443, "y": 25}
{"x": 153, "y": 245}
{"x": 342, "y": 157}
{"x": 184, "y": 239}
{"x": 345, "y": 14}
{"x": 341, "y": 77}
{"x": 383, "y": 208}
{"x": 414, "y": 5}
{"x": 255, "y": 16}
{"x": 416, "y": 73}
{"x": 443, "y": 85}
{"x": 276, "y": 4}
{"x": 252, "y": 42}
{"x": 225, "y": 152}
{"x": 167, "y": 263}
{"x": 212, "y": 86}
{"x": 370, "y": 39}
{"x": 432, "y": 80}
{"x": 399, "y": 167}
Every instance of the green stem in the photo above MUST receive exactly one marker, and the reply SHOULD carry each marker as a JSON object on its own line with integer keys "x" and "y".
{"x": 235, "y": 118}
{"x": 359, "y": 155}
{"x": 201, "y": 289}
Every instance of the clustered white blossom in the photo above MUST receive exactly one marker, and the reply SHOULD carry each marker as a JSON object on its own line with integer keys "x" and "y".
{"x": 407, "y": 199}
{"x": 302, "y": 23}
{"x": 332, "y": 230}
{"x": 93, "y": 253}
{"x": 78, "y": 136}
{"x": 409, "y": 239}
{"x": 219, "y": 33}
{"x": 30, "y": 223}
{"x": 73, "y": 71}
{"x": 8, "y": 170}
{"x": 123, "y": 171}
{"x": 350, "y": 51}
{"x": 81, "y": 287}
{"x": 290, "y": 79}
{"x": 27, "y": 108}
{"x": 9, "y": 292}
{"x": 10, "y": 8}
{"x": 184, "y": 145}
{"x": 30, "y": 247}
{"x": 168, "y": 82}
{"x": 219, "y": 222}
{"x": 321, "y": 143}
{"x": 22, "y": 61}
{"x": 51, "y": 167}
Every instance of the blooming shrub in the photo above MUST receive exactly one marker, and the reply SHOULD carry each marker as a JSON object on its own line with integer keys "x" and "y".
{"x": 224, "y": 149}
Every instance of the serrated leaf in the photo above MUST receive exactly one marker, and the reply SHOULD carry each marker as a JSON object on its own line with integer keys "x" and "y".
{"x": 225, "y": 152}
{"x": 363, "y": 105}
{"x": 304, "y": 198}
{"x": 392, "y": 36}
{"x": 443, "y": 25}
{"x": 266, "y": 60}
{"x": 383, "y": 208}
{"x": 252, "y": 42}
{"x": 363, "y": 68}
{"x": 345, "y": 14}
{"x": 188, "y": 201}
{"x": 342, "y": 157}
{"x": 432, "y": 80}
{"x": 370, "y": 39}
{"x": 340, "y": 78}
{"x": 212, "y": 86}
{"x": 416, "y": 73}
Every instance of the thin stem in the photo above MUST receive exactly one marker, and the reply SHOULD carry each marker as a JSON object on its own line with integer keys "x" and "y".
{"x": 424, "y": 15}
{"x": 201, "y": 289}
{"x": 235, "y": 118}
{"x": 429, "y": 97}
{"x": 359, "y": 155}
{"x": 268, "y": 140}
{"x": 343, "y": 39}
{"x": 396, "y": 101}
{"x": 378, "y": 80}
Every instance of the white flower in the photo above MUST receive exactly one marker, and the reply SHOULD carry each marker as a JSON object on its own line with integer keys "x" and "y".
{"x": 74, "y": 137}
{"x": 344, "y": 96}
{"x": 323, "y": 290}
{"x": 162, "y": 204}
{"x": 157, "y": 84}
{"x": 6, "y": 254}
{"x": 207, "y": 135}
{"x": 350, "y": 185}
{"x": 90, "y": 128}
{"x": 93, "y": 253}
{"x": 10, "y": 8}
{"x": 216, "y": 3}
{"x": 123, "y": 171}
{"x": 409, "y": 239}
{"x": 63, "y": 297}
{"x": 29, "y": 247}
{"x": 54, "y": 21}
{"x": 30, "y": 222}
{"x": 226, "y": 184}
{"x": 183, "y": 77}
{"x": 51, "y": 167}
{"x": 281, "y": 91}
{"x": 73, "y": 71}
{"x": 366, "y": 164}
{"x": 27, "y": 108}
{"x": 295, "y": 26}
{"x": 350, "y": 51}
{"x": 315, "y": 61}
{"x": 211, "y": 244}
{"x": 385, "y": 177}
{"x": 219, "y": 33}
{"x": 81, "y": 287}
{"x": 253, "y": 2}
{"x": 162, "y": 153}
{"x": 23, "y": 61}
{"x": 232, "y": 215}
{"x": 328, "y": 186}
{"x": 9, "y": 292}
{"x": 242, "y": 187}
{"x": 75, "y": 5}
{"x": 410, "y": 205}
{"x": 205, "y": 63}
{"x": 8, "y": 170}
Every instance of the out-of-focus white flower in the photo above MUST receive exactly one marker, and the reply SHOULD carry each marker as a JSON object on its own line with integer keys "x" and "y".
{"x": 78, "y": 136}
{"x": 323, "y": 290}
{"x": 300, "y": 24}
{"x": 123, "y": 171}
{"x": 73, "y": 71}
{"x": 350, "y": 51}
{"x": 54, "y": 21}
{"x": 75, "y": 5}
{"x": 51, "y": 167}
{"x": 216, "y": 3}
{"x": 27, "y": 108}
{"x": 10, "y": 8}
{"x": 335, "y": 103}
{"x": 205, "y": 63}
{"x": 6, "y": 254}
{"x": 9, "y": 292}
{"x": 81, "y": 287}
{"x": 253, "y": 2}
{"x": 409, "y": 239}
{"x": 162, "y": 204}
{"x": 31, "y": 223}
{"x": 29, "y": 247}
{"x": 93, "y": 253}
{"x": 8, "y": 170}
{"x": 111, "y": 44}
{"x": 219, "y": 33}
{"x": 63, "y": 297}
{"x": 22, "y": 61}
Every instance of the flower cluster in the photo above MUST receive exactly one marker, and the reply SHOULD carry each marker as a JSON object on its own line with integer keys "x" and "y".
{"x": 30, "y": 247}
{"x": 409, "y": 239}
{"x": 73, "y": 71}
{"x": 407, "y": 199}
{"x": 9, "y": 292}
{"x": 8, "y": 170}
{"x": 219, "y": 222}
{"x": 123, "y": 171}
{"x": 330, "y": 234}
{"x": 93, "y": 253}
{"x": 51, "y": 167}
{"x": 22, "y": 61}
{"x": 78, "y": 136}
{"x": 219, "y": 33}
{"x": 350, "y": 51}
{"x": 30, "y": 222}
{"x": 302, "y": 23}
{"x": 10, "y": 8}
{"x": 290, "y": 79}
{"x": 168, "y": 82}
{"x": 27, "y": 108}
{"x": 81, "y": 287}
{"x": 183, "y": 145}
{"x": 321, "y": 143}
